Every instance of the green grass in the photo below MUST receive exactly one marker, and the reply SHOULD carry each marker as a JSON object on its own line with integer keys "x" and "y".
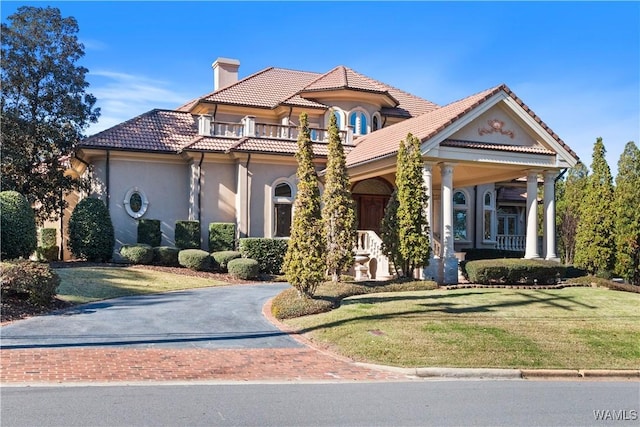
{"x": 86, "y": 284}
{"x": 571, "y": 328}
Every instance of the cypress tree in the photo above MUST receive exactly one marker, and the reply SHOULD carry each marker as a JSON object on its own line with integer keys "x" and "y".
{"x": 627, "y": 214}
{"x": 413, "y": 229}
{"x": 595, "y": 237}
{"x": 389, "y": 232}
{"x": 338, "y": 212}
{"x": 569, "y": 194}
{"x": 304, "y": 262}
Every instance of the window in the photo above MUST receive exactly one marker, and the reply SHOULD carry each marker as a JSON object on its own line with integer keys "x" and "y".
{"x": 282, "y": 209}
{"x": 375, "y": 122}
{"x": 507, "y": 220}
{"x": 358, "y": 120}
{"x": 135, "y": 202}
{"x": 460, "y": 216}
{"x": 488, "y": 210}
{"x": 338, "y": 119}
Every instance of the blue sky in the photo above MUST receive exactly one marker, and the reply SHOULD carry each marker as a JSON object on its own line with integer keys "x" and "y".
{"x": 576, "y": 64}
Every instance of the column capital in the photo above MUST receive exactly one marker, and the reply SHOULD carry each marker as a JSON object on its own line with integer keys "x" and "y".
{"x": 549, "y": 175}
{"x": 446, "y": 168}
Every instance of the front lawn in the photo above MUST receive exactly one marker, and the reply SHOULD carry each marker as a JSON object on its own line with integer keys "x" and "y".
{"x": 572, "y": 328}
{"x": 86, "y": 284}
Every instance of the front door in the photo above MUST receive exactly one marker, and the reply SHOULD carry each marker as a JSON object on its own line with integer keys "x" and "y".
{"x": 371, "y": 211}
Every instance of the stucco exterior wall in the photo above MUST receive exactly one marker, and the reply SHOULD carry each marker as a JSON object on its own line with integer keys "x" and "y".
{"x": 164, "y": 183}
{"x": 218, "y": 197}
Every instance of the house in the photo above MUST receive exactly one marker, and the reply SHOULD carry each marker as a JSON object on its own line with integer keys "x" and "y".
{"x": 228, "y": 156}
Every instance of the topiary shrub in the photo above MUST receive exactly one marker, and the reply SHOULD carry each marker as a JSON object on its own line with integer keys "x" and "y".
{"x": 91, "y": 234}
{"x": 137, "y": 254}
{"x": 222, "y": 236}
{"x": 149, "y": 232}
{"x": 37, "y": 281}
{"x": 514, "y": 271}
{"x": 196, "y": 259}
{"x": 223, "y": 257}
{"x": 18, "y": 226}
{"x": 48, "y": 250}
{"x": 244, "y": 268}
{"x": 48, "y": 237}
{"x": 166, "y": 256}
{"x": 187, "y": 234}
{"x": 268, "y": 252}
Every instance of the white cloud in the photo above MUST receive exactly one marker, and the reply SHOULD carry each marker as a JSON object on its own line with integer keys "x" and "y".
{"x": 122, "y": 96}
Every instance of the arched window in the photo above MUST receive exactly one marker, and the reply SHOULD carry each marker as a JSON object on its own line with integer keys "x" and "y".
{"x": 375, "y": 122}
{"x": 358, "y": 120}
{"x": 283, "y": 196}
{"x": 460, "y": 215}
{"x": 338, "y": 119}
{"x": 488, "y": 209}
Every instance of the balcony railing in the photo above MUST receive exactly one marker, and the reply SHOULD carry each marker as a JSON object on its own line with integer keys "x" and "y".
{"x": 249, "y": 128}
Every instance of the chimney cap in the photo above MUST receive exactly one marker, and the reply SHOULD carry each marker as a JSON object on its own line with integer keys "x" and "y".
{"x": 225, "y": 61}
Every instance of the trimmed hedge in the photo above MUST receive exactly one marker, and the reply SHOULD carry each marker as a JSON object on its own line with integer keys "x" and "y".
{"x": 18, "y": 226}
{"x": 149, "y": 232}
{"x": 48, "y": 253}
{"x": 166, "y": 256}
{"x": 187, "y": 234}
{"x": 475, "y": 254}
{"x": 196, "y": 259}
{"x": 91, "y": 234}
{"x": 268, "y": 252}
{"x": 222, "y": 236}
{"x": 244, "y": 268}
{"x": 223, "y": 257}
{"x": 514, "y": 271}
{"x": 48, "y": 237}
{"x": 137, "y": 254}
{"x": 35, "y": 280}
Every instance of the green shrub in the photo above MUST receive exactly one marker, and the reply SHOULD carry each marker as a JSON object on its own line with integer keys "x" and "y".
{"x": 35, "y": 280}
{"x": 18, "y": 226}
{"x": 91, "y": 234}
{"x": 289, "y": 304}
{"x": 244, "y": 268}
{"x": 196, "y": 259}
{"x": 476, "y": 254}
{"x": 166, "y": 256}
{"x": 604, "y": 283}
{"x": 514, "y": 271}
{"x": 149, "y": 232}
{"x": 48, "y": 253}
{"x": 137, "y": 254}
{"x": 48, "y": 237}
{"x": 187, "y": 234}
{"x": 222, "y": 236}
{"x": 223, "y": 257}
{"x": 268, "y": 252}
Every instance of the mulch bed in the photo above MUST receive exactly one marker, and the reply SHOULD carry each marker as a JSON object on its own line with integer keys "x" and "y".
{"x": 16, "y": 308}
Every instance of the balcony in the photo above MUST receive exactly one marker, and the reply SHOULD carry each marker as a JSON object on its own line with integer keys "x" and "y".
{"x": 249, "y": 128}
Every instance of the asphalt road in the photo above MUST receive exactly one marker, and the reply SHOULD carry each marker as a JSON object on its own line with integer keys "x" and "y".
{"x": 211, "y": 318}
{"x": 421, "y": 403}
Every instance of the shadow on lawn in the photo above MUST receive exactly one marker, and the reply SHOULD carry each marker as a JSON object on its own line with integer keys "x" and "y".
{"x": 563, "y": 302}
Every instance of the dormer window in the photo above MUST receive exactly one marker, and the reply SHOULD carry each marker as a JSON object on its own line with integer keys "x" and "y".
{"x": 375, "y": 122}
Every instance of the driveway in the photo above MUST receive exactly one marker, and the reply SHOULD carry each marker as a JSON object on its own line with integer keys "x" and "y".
{"x": 227, "y": 317}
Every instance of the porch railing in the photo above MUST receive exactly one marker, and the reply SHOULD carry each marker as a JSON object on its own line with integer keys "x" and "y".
{"x": 370, "y": 243}
{"x": 508, "y": 242}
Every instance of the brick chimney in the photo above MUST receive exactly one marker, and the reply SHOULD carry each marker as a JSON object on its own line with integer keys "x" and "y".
{"x": 225, "y": 72}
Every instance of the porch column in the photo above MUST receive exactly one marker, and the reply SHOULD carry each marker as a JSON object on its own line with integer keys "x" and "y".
{"x": 550, "y": 216}
{"x": 532, "y": 216}
{"x": 449, "y": 260}
{"x": 430, "y": 272}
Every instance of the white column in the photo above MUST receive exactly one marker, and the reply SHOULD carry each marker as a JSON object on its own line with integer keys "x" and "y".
{"x": 449, "y": 260}
{"x": 532, "y": 216}
{"x": 550, "y": 216}
{"x": 430, "y": 272}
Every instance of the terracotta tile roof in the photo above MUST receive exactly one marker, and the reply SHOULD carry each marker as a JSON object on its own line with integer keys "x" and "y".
{"x": 385, "y": 142}
{"x": 267, "y": 89}
{"x": 210, "y": 143}
{"x": 155, "y": 130}
{"x": 279, "y": 86}
{"x": 495, "y": 147}
{"x": 342, "y": 77}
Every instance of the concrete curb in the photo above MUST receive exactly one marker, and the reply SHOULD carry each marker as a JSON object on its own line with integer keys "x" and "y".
{"x": 478, "y": 373}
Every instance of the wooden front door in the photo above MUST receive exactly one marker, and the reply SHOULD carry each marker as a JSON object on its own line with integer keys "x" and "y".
{"x": 371, "y": 211}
